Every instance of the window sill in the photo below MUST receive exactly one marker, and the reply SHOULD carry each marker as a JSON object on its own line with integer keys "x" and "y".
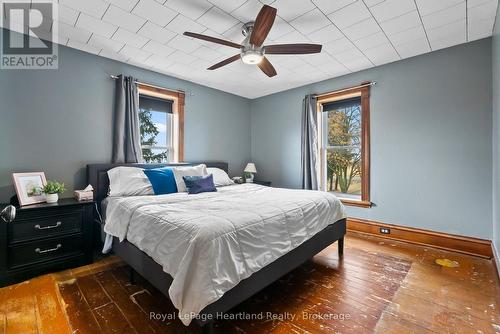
{"x": 361, "y": 204}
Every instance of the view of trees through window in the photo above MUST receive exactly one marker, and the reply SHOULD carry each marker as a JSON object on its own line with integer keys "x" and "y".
{"x": 155, "y": 128}
{"x": 343, "y": 150}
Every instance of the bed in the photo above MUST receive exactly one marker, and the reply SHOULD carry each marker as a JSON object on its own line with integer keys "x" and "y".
{"x": 241, "y": 239}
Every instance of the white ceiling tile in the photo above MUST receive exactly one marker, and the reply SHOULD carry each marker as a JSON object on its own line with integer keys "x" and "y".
{"x": 217, "y": 20}
{"x": 474, "y": 3}
{"x": 293, "y": 37}
{"x": 408, "y": 35}
{"x": 362, "y": 29}
{"x": 349, "y": 15}
{"x": 158, "y": 48}
{"x": 445, "y": 16}
{"x": 133, "y": 52}
{"x": 105, "y": 43}
{"x": 207, "y": 54}
{"x": 184, "y": 43}
{"x": 67, "y": 15}
{"x": 334, "y": 68}
{"x": 413, "y": 48}
{"x": 427, "y": 7}
{"x": 291, "y": 9}
{"x": 371, "y": 41}
{"x": 304, "y": 68}
{"x": 157, "y": 33}
{"x": 200, "y": 64}
{"x": 181, "y": 57}
{"x": 338, "y": 46}
{"x": 248, "y": 11}
{"x": 450, "y": 40}
{"x": 192, "y": 9}
{"x": 153, "y": 11}
{"x": 401, "y": 23}
{"x": 73, "y": 33}
{"x": 382, "y": 54}
{"x": 486, "y": 10}
{"x": 113, "y": 55}
{"x": 390, "y": 9}
{"x": 96, "y": 26}
{"x": 310, "y": 22}
{"x": 158, "y": 61}
{"x": 318, "y": 59}
{"x": 234, "y": 34}
{"x": 356, "y": 63}
{"x": 95, "y": 8}
{"x": 280, "y": 28}
{"x": 127, "y": 5}
{"x": 84, "y": 47}
{"x": 125, "y": 36}
{"x": 349, "y": 54}
{"x": 371, "y": 3}
{"x": 181, "y": 24}
{"x": 228, "y": 6}
{"x": 326, "y": 34}
{"x": 124, "y": 19}
{"x": 329, "y": 6}
{"x": 451, "y": 30}
{"x": 480, "y": 28}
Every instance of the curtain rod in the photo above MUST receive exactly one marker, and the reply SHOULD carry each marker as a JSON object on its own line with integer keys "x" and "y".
{"x": 114, "y": 77}
{"x": 372, "y": 83}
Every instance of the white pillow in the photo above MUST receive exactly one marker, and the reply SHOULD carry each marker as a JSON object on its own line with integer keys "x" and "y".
{"x": 220, "y": 177}
{"x": 129, "y": 181}
{"x": 179, "y": 172}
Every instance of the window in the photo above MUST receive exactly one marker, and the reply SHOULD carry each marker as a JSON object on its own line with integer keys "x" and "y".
{"x": 156, "y": 124}
{"x": 161, "y": 118}
{"x": 344, "y": 133}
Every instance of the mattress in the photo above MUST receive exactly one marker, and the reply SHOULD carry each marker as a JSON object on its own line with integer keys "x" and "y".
{"x": 210, "y": 242}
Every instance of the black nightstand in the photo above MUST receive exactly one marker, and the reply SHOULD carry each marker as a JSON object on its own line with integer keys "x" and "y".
{"x": 262, "y": 183}
{"x": 45, "y": 238}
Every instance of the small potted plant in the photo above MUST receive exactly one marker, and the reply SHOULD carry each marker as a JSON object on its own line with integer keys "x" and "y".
{"x": 52, "y": 190}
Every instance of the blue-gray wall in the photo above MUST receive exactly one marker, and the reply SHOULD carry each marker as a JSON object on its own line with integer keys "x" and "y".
{"x": 496, "y": 136}
{"x": 431, "y": 139}
{"x": 58, "y": 121}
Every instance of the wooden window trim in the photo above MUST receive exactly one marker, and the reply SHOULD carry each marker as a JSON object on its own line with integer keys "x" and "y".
{"x": 364, "y": 93}
{"x": 179, "y": 99}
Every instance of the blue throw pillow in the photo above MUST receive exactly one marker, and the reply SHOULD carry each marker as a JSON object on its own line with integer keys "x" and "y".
{"x": 199, "y": 184}
{"x": 162, "y": 179}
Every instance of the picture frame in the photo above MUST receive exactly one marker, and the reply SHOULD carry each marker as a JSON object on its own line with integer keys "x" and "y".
{"x": 28, "y": 187}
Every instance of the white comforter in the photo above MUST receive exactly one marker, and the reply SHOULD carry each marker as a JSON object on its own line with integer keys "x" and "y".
{"x": 210, "y": 242}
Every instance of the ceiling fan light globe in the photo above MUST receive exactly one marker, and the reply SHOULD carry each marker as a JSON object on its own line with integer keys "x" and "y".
{"x": 252, "y": 57}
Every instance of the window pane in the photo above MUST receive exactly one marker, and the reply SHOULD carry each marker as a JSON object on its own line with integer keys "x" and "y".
{"x": 343, "y": 151}
{"x": 156, "y": 134}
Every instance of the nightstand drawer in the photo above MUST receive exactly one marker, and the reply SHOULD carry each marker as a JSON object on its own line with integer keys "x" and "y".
{"x": 45, "y": 250}
{"x": 43, "y": 227}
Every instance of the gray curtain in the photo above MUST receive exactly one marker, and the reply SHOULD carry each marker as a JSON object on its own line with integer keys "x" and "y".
{"x": 310, "y": 154}
{"x": 126, "y": 134}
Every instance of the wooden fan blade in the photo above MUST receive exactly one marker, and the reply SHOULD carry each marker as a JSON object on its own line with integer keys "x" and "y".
{"x": 213, "y": 39}
{"x": 292, "y": 49}
{"x": 266, "y": 67}
{"x": 225, "y": 62}
{"x": 263, "y": 24}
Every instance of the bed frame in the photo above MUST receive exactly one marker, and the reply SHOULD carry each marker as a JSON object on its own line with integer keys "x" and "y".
{"x": 153, "y": 272}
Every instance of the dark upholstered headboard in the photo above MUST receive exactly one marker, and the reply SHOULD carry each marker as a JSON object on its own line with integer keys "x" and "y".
{"x": 97, "y": 174}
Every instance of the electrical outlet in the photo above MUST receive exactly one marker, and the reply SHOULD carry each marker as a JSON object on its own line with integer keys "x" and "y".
{"x": 385, "y": 230}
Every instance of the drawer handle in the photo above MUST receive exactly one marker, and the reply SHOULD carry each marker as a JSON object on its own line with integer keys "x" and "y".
{"x": 39, "y": 251}
{"x": 38, "y": 227}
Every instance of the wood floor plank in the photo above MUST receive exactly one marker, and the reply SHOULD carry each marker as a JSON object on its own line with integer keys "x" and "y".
{"x": 81, "y": 319}
{"x": 112, "y": 320}
{"x": 93, "y": 292}
{"x": 382, "y": 286}
{"x": 138, "y": 319}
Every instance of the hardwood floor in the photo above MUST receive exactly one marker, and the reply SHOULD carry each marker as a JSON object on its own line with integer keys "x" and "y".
{"x": 379, "y": 286}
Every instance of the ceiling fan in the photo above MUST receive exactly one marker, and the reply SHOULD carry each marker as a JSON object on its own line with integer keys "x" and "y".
{"x": 252, "y": 50}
